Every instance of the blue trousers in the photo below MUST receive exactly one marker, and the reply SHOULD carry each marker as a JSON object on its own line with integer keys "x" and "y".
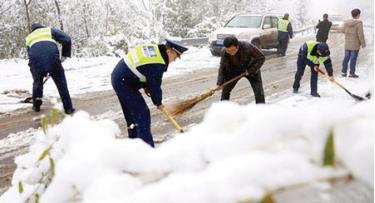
{"x": 136, "y": 112}
{"x": 350, "y": 55}
{"x": 58, "y": 76}
{"x": 301, "y": 64}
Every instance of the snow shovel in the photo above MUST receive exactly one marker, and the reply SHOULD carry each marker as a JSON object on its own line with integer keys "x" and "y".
{"x": 356, "y": 97}
{"x": 29, "y": 99}
{"x": 172, "y": 120}
{"x": 178, "y": 109}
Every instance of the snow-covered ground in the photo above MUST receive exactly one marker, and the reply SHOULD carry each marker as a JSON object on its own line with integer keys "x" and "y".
{"x": 83, "y": 75}
{"x": 237, "y": 153}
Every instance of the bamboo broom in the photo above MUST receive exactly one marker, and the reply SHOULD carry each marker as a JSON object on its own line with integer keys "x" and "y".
{"x": 178, "y": 109}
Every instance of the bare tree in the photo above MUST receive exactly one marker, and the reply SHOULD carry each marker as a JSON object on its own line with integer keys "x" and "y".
{"x": 4, "y": 10}
{"x": 27, "y": 4}
{"x": 59, "y": 14}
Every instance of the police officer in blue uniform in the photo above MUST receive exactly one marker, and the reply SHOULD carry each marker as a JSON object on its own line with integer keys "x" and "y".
{"x": 143, "y": 67}
{"x": 44, "y": 58}
{"x": 312, "y": 53}
{"x": 284, "y": 33}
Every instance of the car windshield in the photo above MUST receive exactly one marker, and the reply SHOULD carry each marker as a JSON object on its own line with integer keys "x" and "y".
{"x": 245, "y": 22}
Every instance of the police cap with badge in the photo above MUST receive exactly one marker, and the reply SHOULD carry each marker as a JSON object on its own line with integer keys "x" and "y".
{"x": 178, "y": 48}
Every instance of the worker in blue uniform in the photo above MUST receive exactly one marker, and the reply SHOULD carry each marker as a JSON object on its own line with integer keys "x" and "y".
{"x": 143, "y": 67}
{"x": 312, "y": 53}
{"x": 44, "y": 58}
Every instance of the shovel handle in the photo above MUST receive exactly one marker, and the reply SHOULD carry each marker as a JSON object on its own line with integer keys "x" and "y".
{"x": 172, "y": 120}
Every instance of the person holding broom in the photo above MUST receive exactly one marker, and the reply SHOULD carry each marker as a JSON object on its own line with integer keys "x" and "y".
{"x": 143, "y": 67}
{"x": 240, "y": 58}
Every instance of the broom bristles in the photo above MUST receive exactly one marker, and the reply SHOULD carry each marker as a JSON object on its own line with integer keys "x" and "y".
{"x": 178, "y": 109}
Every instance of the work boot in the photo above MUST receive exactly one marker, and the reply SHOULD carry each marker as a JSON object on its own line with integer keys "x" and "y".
{"x": 343, "y": 74}
{"x": 295, "y": 90}
{"x": 315, "y": 94}
{"x": 353, "y": 76}
{"x": 70, "y": 111}
{"x": 36, "y": 108}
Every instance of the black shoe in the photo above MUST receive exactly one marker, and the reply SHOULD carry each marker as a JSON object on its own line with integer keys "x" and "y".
{"x": 36, "y": 108}
{"x": 295, "y": 91}
{"x": 315, "y": 94}
{"x": 70, "y": 111}
{"x": 343, "y": 74}
{"x": 353, "y": 76}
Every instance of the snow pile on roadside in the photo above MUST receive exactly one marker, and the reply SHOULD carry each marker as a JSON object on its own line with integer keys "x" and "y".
{"x": 237, "y": 153}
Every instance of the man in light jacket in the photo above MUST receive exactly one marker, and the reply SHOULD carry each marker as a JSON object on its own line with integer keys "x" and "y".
{"x": 354, "y": 39}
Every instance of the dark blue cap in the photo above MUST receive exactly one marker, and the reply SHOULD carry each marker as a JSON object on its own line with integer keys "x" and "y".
{"x": 323, "y": 49}
{"x": 178, "y": 48}
{"x": 35, "y": 26}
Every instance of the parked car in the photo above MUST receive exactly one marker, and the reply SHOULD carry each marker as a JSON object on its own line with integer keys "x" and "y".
{"x": 260, "y": 30}
{"x": 337, "y": 22}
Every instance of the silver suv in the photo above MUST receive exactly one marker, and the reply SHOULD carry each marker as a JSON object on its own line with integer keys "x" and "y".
{"x": 260, "y": 30}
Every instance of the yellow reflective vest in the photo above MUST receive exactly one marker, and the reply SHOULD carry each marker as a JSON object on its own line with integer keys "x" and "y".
{"x": 282, "y": 25}
{"x": 38, "y": 35}
{"x": 314, "y": 59}
{"x": 142, "y": 55}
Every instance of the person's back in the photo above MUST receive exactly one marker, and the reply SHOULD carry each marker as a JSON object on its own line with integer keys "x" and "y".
{"x": 354, "y": 37}
{"x": 44, "y": 53}
{"x": 44, "y": 58}
{"x": 323, "y": 29}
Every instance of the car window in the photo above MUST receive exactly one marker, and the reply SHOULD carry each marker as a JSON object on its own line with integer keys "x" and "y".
{"x": 267, "y": 22}
{"x": 245, "y": 22}
{"x": 274, "y": 21}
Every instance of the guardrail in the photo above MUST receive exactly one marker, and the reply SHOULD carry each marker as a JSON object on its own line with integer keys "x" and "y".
{"x": 204, "y": 40}
{"x": 304, "y": 29}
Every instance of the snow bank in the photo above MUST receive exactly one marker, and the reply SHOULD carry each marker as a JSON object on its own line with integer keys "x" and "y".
{"x": 236, "y": 153}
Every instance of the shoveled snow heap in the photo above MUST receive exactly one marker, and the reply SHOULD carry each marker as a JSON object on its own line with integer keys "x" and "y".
{"x": 236, "y": 153}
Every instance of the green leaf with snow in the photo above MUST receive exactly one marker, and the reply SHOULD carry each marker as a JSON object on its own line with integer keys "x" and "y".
{"x": 20, "y": 187}
{"x": 52, "y": 166}
{"x": 36, "y": 197}
{"x": 44, "y": 154}
{"x": 54, "y": 114}
{"x": 44, "y": 124}
{"x": 329, "y": 150}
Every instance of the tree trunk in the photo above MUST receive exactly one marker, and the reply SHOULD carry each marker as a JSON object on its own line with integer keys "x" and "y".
{"x": 27, "y": 13}
{"x": 59, "y": 15}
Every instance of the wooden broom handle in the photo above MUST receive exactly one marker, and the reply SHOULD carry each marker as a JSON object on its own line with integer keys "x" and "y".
{"x": 230, "y": 81}
{"x": 172, "y": 120}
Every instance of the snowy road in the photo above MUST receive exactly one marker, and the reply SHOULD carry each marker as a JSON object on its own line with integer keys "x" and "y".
{"x": 278, "y": 74}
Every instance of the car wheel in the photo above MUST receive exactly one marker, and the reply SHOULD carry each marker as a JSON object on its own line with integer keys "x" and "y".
{"x": 256, "y": 43}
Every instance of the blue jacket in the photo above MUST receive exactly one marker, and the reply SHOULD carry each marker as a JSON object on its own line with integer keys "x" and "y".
{"x": 44, "y": 55}
{"x": 327, "y": 63}
{"x": 152, "y": 72}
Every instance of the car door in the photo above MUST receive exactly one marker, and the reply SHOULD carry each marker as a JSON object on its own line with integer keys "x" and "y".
{"x": 274, "y": 41}
{"x": 266, "y": 36}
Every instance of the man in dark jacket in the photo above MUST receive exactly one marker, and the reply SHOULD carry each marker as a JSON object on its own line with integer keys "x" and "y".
{"x": 44, "y": 58}
{"x": 237, "y": 58}
{"x": 323, "y": 29}
{"x": 312, "y": 53}
{"x": 285, "y": 31}
{"x": 143, "y": 67}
